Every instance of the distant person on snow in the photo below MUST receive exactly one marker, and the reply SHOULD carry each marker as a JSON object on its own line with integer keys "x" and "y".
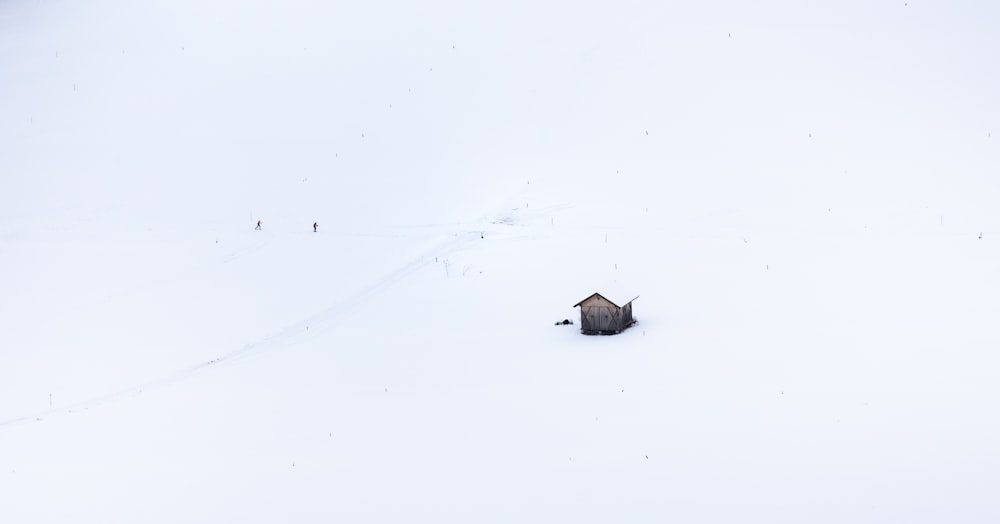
{"x": 258, "y": 225}
{"x": 315, "y": 225}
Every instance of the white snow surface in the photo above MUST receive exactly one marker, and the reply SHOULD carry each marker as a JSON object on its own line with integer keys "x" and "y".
{"x": 803, "y": 194}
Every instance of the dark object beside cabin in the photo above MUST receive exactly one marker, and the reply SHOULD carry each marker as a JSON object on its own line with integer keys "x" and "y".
{"x": 600, "y": 316}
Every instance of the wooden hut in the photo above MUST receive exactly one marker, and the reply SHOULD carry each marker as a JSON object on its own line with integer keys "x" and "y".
{"x": 602, "y": 316}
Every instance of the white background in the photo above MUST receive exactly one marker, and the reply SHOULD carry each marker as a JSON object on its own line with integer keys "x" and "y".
{"x": 796, "y": 190}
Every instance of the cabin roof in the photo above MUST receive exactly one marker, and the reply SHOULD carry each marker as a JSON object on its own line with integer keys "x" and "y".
{"x": 618, "y": 303}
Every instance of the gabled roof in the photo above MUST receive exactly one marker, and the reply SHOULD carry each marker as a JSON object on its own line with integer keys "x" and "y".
{"x": 616, "y": 303}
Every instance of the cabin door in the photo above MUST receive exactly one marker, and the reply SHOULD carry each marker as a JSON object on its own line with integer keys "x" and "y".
{"x": 605, "y": 319}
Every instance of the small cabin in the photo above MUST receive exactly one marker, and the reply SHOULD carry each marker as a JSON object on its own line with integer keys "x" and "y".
{"x": 602, "y": 316}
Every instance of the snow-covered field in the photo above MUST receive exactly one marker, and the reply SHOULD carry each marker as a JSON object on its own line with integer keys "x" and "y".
{"x": 803, "y": 194}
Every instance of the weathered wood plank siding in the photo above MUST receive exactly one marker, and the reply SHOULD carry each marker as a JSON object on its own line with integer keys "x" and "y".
{"x": 600, "y": 316}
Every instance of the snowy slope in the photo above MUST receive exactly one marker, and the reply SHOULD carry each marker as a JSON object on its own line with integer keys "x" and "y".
{"x": 801, "y": 194}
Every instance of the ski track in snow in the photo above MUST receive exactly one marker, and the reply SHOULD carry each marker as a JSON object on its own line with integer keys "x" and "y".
{"x": 314, "y": 324}
{"x": 245, "y": 250}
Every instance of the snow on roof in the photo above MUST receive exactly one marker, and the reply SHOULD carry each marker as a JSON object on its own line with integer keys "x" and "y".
{"x": 616, "y": 293}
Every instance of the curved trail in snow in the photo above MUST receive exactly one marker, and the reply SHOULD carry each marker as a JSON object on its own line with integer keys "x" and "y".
{"x": 311, "y": 325}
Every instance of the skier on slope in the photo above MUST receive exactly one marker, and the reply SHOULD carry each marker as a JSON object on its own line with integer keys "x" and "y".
{"x": 315, "y": 225}
{"x": 258, "y": 226}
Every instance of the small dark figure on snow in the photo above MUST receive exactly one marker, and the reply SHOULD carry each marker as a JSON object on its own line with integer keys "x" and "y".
{"x": 258, "y": 225}
{"x": 315, "y": 225}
